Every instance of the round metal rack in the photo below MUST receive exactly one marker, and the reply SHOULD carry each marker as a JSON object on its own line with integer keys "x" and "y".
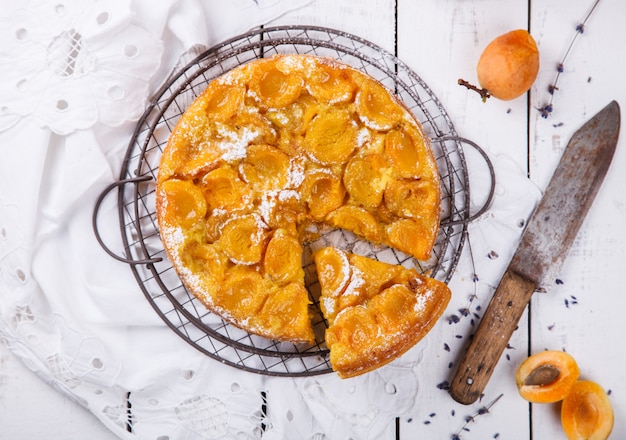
{"x": 136, "y": 195}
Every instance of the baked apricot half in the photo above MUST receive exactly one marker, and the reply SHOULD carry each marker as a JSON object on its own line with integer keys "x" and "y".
{"x": 224, "y": 100}
{"x": 366, "y": 178}
{"x": 275, "y": 88}
{"x": 547, "y": 376}
{"x": 331, "y": 85}
{"x": 358, "y": 220}
{"x": 186, "y": 205}
{"x": 330, "y": 136}
{"x": 244, "y": 239}
{"x": 376, "y": 108}
{"x": 413, "y": 236}
{"x": 586, "y": 412}
{"x": 283, "y": 258}
{"x": 333, "y": 270}
{"x": 322, "y": 192}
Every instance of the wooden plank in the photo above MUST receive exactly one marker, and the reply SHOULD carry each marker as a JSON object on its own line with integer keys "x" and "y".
{"x": 582, "y": 314}
{"x": 442, "y": 41}
{"x": 373, "y": 20}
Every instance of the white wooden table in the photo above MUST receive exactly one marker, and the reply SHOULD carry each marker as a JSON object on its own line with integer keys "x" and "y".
{"x": 441, "y": 40}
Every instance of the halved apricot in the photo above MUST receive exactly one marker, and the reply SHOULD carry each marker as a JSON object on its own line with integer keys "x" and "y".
{"x": 413, "y": 236}
{"x": 244, "y": 238}
{"x": 275, "y": 88}
{"x": 242, "y": 294}
{"x": 376, "y": 274}
{"x": 392, "y": 307}
{"x": 412, "y": 198}
{"x": 547, "y": 376}
{"x": 358, "y": 220}
{"x": 188, "y": 153}
{"x": 286, "y": 314}
{"x": 330, "y": 85}
{"x": 333, "y": 270}
{"x": 265, "y": 168}
{"x": 185, "y": 204}
{"x": 283, "y": 258}
{"x": 407, "y": 153}
{"x": 224, "y": 100}
{"x": 366, "y": 178}
{"x": 322, "y": 192}
{"x": 586, "y": 412}
{"x": 376, "y": 107}
{"x": 330, "y": 136}
{"x": 356, "y": 328}
{"x": 224, "y": 189}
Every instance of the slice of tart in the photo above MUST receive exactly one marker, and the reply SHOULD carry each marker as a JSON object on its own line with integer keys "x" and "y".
{"x": 375, "y": 311}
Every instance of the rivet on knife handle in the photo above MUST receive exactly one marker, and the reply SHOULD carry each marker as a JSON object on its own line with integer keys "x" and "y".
{"x": 491, "y": 338}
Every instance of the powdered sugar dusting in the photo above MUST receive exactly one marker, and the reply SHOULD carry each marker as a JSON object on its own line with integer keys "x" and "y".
{"x": 329, "y": 305}
{"x": 269, "y": 201}
{"x": 285, "y": 195}
{"x": 356, "y": 282}
{"x": 234, "y": 144}
{"x": 363, "y": 136}
{"x": 288, "y": 64}
{"x": 422, "y": 300}
{"x": 296, "y": 173}
{"x": 267, "y": 205}
{"x": 173, "y": 235}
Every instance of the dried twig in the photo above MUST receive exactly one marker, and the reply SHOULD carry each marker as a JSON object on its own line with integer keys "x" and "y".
{"x": 484, "y": 93}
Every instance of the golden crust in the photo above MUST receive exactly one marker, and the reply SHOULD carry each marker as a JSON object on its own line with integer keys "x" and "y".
{"x": 268, "y": 149}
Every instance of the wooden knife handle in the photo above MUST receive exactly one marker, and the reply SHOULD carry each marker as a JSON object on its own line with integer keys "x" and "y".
{"x": 491, "y": 338}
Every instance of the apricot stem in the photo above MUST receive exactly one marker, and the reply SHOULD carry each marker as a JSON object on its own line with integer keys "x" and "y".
{"x": 484, "y": 93}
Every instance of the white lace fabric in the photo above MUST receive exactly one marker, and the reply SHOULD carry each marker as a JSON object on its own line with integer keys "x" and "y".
{"x": 76, "y": 77}
{"x": 75, "y": 63}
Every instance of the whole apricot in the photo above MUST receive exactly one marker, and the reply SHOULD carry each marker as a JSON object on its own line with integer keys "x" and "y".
{"x": 509, "y": 65}
{"x": 547, "y": 376}
{"x": 586, "y": 412}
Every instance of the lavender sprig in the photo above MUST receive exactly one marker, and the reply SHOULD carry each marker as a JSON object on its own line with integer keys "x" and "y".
{"x": 471, "y": 419}
{"x": 547, "y": 109}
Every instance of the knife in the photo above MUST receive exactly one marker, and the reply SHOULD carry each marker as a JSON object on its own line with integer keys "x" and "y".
{"x": 543, "y": 247}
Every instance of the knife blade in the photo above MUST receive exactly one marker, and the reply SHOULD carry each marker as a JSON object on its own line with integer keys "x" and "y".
{"x": 543, "y": 247}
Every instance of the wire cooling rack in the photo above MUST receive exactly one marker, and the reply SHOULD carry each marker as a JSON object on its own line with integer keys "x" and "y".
{"x": 179, "y": 309}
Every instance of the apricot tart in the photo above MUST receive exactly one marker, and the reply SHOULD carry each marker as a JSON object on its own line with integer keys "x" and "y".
{"x": 271, "y": 149}
{"x": 376, "y": 311}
